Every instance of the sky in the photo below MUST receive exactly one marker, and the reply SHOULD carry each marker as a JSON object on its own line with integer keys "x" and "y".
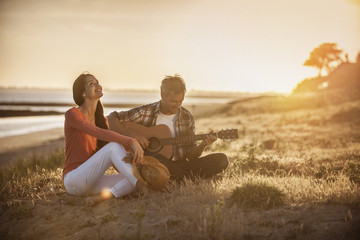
{"x": 224, "y": 45}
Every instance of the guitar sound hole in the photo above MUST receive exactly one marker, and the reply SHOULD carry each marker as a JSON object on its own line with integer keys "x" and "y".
{"x": 154, "y": 145}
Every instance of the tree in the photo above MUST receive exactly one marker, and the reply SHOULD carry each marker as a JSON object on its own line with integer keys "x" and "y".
{"x": 323, "y": 56}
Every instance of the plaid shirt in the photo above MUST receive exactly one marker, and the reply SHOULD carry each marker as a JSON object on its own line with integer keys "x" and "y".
{"x": 146, "y": 115}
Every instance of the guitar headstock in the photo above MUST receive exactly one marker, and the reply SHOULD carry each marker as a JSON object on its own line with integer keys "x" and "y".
{"x": 228, "y": 134}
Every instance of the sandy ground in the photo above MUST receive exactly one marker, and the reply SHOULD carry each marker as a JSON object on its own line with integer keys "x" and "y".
{"x": 53, "y": 218}
{"x": 62, "y": 216}
{"x": 66, "y": 217}
{"x": 25, "y": 145}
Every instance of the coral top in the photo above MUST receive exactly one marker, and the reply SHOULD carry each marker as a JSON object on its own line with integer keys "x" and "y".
{"x": 81, "y": 139}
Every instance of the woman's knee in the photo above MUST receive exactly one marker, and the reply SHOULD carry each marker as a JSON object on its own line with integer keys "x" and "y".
{"x": 116, "y": 147}
{"x": 75, "y": 186}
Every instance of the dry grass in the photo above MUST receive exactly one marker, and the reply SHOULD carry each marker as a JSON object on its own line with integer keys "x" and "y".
{"x": 292, "y": 175}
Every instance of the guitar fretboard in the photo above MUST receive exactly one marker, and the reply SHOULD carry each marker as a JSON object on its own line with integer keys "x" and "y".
{"x": 184, "y": 139}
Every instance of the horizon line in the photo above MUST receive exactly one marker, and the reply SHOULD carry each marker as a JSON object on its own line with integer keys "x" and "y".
{"x": 145, "y": 90}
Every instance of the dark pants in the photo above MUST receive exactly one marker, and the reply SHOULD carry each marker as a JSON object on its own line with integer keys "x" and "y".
{"x": 203, "y": 167}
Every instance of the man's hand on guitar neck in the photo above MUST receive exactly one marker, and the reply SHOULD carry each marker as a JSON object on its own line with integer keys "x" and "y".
{"x": 196, "y": 151}
{"x": 208, "y": 140}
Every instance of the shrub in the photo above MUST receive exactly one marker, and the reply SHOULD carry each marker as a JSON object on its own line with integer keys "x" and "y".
{"x": 268, "y": 144}
{"x": 257, "y": 195}
{"x": 264, "y": 166}
{"x": 352, "y": 170}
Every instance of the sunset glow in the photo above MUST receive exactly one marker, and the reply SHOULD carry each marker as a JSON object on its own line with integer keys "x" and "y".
{"x": 248, "y": 46}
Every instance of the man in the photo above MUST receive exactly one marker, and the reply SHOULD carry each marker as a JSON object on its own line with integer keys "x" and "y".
{"x": 186, "y": 161}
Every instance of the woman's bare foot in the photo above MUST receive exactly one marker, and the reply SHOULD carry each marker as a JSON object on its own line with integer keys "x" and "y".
{"x": 93, "y": 200}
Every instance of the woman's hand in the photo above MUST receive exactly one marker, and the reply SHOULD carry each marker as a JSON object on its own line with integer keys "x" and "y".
{"x": 138, "y": 152}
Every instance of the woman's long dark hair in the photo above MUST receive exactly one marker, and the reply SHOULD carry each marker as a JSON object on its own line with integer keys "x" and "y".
{"x": 78, "y": 91}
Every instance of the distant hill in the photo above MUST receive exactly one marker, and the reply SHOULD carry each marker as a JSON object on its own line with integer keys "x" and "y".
{"x": 340, "y": 87}
{"x": 345, "y": 76}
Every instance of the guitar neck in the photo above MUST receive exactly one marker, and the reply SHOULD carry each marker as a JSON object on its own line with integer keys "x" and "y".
{"x": 185, "y": 139}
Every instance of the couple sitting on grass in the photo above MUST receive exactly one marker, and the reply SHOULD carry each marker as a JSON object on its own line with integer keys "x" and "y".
{"x": 93, "y": 143}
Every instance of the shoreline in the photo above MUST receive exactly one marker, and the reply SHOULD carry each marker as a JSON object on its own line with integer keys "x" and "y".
{"x": 34, "y": 113}
{"x": 27, "y": 113}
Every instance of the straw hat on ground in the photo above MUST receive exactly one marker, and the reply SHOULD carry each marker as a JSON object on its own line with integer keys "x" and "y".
{"x": 152, "y": 173}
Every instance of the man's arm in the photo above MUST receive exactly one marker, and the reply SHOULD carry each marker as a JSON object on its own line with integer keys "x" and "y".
{"x": 116, "y": 125}
{"x": 197, "y": 150}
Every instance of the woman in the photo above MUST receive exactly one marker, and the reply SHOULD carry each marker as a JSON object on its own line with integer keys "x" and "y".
{"x": 87, "y": 156}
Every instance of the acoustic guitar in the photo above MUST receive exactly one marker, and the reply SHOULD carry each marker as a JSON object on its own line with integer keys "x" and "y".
{"x": 160, "y": 140}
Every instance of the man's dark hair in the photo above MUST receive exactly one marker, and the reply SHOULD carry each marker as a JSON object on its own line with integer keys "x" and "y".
{"x": 173, "y": 84}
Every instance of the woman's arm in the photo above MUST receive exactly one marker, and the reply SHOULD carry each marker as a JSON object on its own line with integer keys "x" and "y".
{"x": 116, "y": 125}
{"x": 75, "y": 120}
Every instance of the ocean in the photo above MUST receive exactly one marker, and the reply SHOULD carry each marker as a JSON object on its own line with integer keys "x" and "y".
{"x": 29, "y": 110}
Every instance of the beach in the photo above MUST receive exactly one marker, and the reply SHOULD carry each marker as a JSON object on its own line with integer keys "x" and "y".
{"x": 27, "y": 145}
{"x": 307, "y": 159}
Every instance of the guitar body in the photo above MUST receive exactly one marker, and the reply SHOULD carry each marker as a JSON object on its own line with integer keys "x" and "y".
{"x": 153, "y": 135}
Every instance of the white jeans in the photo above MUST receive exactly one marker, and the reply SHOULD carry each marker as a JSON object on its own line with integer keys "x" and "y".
{"x": 89, "y": 177}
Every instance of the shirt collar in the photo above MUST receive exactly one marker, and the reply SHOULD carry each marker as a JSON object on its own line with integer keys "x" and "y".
{"x": 157, "y": 109}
